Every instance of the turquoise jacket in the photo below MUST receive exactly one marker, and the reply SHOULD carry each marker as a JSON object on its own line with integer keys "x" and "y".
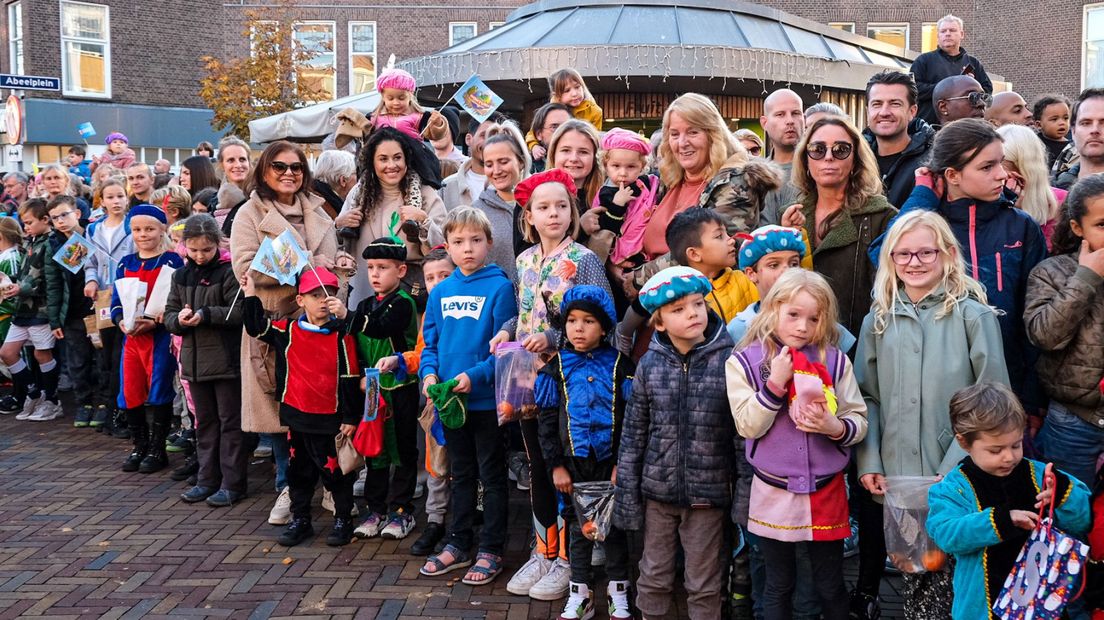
{"x": 972, "y": 528}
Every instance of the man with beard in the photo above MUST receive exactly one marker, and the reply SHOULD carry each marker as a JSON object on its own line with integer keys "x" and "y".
{"x": 959, "y": 96}
{"x": 466, "y": 185}
{"x": 784, "y": 122}
{"x": 899, "y": 139}
{"x": 1088, "y": 137}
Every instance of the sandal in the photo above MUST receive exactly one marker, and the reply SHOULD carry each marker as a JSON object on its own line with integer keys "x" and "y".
{"x": 487, "y": 572}
{"x": 460, "y": 559}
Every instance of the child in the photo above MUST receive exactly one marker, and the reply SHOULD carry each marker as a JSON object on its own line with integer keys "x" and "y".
{"x": 79, "y": 164}
{"x": 697, "y": 238}
{"x": 436, "y": 267}
{"x": 984, "y": 509}
{"x": 929, "y": 333}
{"x": 1064, "y": 315}
{"x": 794, "y": 398}
{"x": 628, "y": 198}
{"x": 174, "y": 200}
{"x": 199, "y": 310}
{"x": 674, "y": 468}
{"x": 118, "y": 154}
{"x": 11, "y": 237}
{"x": 566, "y": 86}
{"x": 147, "y": 366}
{"x": 318, "y": 382}
{"x": 34, "y": 400}
{"x": 113, "y": 242}
{"x": 67, "y": 306}
{"x": 398, "y": 108}
{"x": 546, "y": 272}
{"x": 462, "y": 315}
{"x": 580, "y": 431}
{"x": 383, "y": 325}
{"x": 1052, "y": 122}
{"x": 764, "y": 255}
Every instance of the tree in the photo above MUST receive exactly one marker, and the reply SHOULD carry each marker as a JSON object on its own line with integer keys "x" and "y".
{"x": 274, "y": 78}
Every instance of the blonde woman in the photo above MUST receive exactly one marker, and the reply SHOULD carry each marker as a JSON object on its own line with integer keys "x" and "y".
{"x": 1028, "y": 175}
{"x": 506, "y": 163}
{"x": 575, "y": 148}
{"x": 844, "y": 210}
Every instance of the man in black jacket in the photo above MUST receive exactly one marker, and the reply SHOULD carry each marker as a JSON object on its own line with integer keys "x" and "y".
{"x": 947, "y": 60}
{"x": 899, "y": 140}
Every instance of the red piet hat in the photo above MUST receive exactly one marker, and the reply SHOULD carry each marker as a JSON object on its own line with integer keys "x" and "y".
{"x": 524, "y": 190}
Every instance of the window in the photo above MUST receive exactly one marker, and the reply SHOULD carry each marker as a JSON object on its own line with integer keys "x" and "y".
{"x": 844, "y": 26}
{"x": 929, "y": 37}
{"x": 894, "y": 34}
{"x": 362, "y": 57}
{"x": 15, "y": 37}
{"x": 461, "y": 31}
{"x": 85, "y": 50}
{"x": 1092, "y": 56}
{"x": 318, "y": 74}
{"x": 493, "y": 25}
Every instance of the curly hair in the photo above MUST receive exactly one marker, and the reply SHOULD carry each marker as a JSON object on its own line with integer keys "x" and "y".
{"x": 370, "y": 191}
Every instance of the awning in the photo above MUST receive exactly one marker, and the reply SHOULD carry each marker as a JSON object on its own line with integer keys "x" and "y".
{"x": 310, "y": 123}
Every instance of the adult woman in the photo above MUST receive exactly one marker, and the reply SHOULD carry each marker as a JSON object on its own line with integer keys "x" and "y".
{"x": 1028, "y": 175}
{"x": 55, "y": 182}
{"x": 750, "y": 140}
{"x": 844, "y": 210}
{"x": 279, "y": 201}
{"x": 233, "y": 160}
{"x": 197, "y": 174}
{"x": 389, "y": 186}
{"x": 334, "y": 176}
{"x": 506, "y": 163}
{"x": 574, "y": 149}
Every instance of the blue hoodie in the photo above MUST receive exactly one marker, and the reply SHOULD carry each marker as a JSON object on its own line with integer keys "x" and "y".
{"x": 462, "y": 315}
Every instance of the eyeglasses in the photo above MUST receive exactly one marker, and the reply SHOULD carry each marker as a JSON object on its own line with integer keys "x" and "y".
{"x": 61, "y": 216}
{"x": 840, "y": 150}
{"x": 976, "y": 98}
{"x": 282, "y": 168}
{"x": 926, "y": 256}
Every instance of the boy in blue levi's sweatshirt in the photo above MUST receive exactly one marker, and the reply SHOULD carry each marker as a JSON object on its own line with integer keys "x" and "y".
{"x": 463, "y": 313}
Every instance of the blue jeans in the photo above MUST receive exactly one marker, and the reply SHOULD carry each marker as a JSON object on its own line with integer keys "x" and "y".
{"x": 281, "y": 451}
{"x": 1072, "y": 444}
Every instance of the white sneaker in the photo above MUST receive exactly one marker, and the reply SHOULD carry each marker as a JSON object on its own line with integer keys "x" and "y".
{"x": 553, "y": 585}
{"x": 281, "y": 510}
{"x": 29, "y": 406}
{"x": 398, "y": 526}
{"x": 528, "y": 575}
{"x": 617, "y": 594}
{"x": 371, "y": 526}
{"x": 46, "y": 411}
{"x": 580, "y": 605}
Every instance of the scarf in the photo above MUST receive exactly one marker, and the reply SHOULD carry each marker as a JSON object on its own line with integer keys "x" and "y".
{"x": 811, "y": 384}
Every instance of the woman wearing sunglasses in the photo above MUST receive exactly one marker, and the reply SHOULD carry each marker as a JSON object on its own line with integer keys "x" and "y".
{"x": 844, "y": 209}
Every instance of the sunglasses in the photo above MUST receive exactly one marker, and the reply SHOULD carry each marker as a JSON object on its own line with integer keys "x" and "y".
{"x": 926, "y": 256}
{"x": 840, "y": 150}
{"x": 281, "y": 168}
{"x": 976, "y": 98}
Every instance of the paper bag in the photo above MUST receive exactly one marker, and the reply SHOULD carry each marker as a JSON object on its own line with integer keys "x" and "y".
{"x": 103, "y": 309}
{"x": 347, "y": 457}
{"x": 132, "y": 297}
{"x": 93, "y": 331}
{"x": 159, "y": 295}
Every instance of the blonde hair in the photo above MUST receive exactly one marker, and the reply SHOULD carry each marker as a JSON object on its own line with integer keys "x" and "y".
{"x": 791, "y": 283}
{"x": 864, "y": 182}
{"x": 467, "y": 217}
{"x": 173, "y": 197}
{"x": 645, "y": 160}
{"x": 415, "y": 107}
{"x": 957, "y": 285}
{"x": 560, "y": 81}
{"x": 597, "y": 175}
{"x": 508, "y": 133}
{"x": 1025, "y": 151}
{"x": 529, "y": 232}
{"x": 698, "y": 111}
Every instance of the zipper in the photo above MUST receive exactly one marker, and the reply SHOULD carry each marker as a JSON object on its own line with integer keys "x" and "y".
{"x": 684, "y": 385}
{"x": 1000, "y": 273}
{"x": 973, "y": 241}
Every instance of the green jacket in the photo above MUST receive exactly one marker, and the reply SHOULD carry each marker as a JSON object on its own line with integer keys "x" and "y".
{"x": 907, "y": 375}
{"x": 32, "y": 281}
{"x": 10, "y": 261}
{"x": 382, "y": 328}
{"x": 59, "y": 282}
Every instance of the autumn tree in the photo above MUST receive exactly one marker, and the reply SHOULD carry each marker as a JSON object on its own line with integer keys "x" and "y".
{"x": 275, "y": 77}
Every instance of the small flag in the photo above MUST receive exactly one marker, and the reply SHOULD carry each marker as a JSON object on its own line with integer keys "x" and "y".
{"x": 74, "y": 253}
{"x": 477, "y": 99}
{"x": 86, "y": 130}
{"x": 288, "y": 258}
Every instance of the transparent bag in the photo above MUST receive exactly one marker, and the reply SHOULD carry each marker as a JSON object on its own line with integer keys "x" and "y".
{"x": 594, "y": 508}
{"x": 515, "y": 377}
{"x": 906, "y": 534}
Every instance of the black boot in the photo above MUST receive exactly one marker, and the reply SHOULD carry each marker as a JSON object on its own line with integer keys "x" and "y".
{"x": 136, "y": 420}
{"x": 156, "y": 457}
{"x": 119, "y": 428}
{"x": 187, "y": 470}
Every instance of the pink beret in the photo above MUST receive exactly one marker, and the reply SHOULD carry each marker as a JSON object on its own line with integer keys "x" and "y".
{"x": 524, "y": 190}
{"x": 618, "y": 138}
{"x": 397, "y": 79}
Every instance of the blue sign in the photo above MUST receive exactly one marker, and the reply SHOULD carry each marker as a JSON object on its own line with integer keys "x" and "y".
{"x": 29, "y": 82}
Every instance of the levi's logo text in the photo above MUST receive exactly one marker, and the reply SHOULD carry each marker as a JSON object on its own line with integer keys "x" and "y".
{"x": 463, "y": 306}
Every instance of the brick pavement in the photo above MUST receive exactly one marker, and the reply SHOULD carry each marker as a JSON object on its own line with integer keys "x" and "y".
{"x": 81, "y": 539}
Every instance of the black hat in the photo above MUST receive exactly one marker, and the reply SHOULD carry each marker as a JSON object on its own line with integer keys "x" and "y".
{"x": 385, "y": 248}
{"x": 453, "y": 118}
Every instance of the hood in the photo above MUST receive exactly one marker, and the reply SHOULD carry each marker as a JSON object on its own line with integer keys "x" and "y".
{"x": 229, "y": 196}
{"x": 491, "y": 198}
{"x": 486, "y": 273}
{"x": 716, "y": 338}
{"x": 875, "y": 204}
{"x": 921, "y": 136}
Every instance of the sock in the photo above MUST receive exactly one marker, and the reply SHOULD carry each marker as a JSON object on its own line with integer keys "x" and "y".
{"x": 50, "y": 373}
{"x": 24, "y": 381}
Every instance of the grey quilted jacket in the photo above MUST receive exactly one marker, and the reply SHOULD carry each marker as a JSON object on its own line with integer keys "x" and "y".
{"x": 677, "y": 442}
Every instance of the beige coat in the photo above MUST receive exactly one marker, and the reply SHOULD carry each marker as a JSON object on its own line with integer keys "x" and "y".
{"x": 315, "y": 232}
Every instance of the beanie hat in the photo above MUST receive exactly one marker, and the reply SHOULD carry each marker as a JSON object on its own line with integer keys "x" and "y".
{"x": 147, "y": 210}
{"x": 593, "y": 300}
{"x": 618, "y": 138}
{"x": 453, "y": 119}
{"x": 319, "y": 277}
{"x": 524, "y": 190}
{"x": 767, "y": 239}
{"x": 395, "y": 78}
{"x": 387, "y": 248}
{"x": 673, "y": 284}
{"x": 115, "y": 135}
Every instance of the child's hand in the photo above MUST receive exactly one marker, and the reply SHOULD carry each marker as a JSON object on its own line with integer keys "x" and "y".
{"x": 817, "y": 419}
{"x": 11, "y": 291}
{"x": 1024, "y": 519}
{"x": 1092, "y": 260}
{"x": 539, "y": 152}
{"x": 348, "y": 429}
{"x": 336, "y": 308}
{"x": 561, "y": 479}
{"x": 141, "y": 326}
{"x": 875, "y": 483}
{"x": 536, "y": 343}
{"x": 388, "y": 364}
{"x": 188, "y": 318}
{"x": 792, "y": 217}
{"x": 1047, "y": 495}
{"x": 499, "y": 338}
{"x": 463, "y": 385}
{"x": 927, "y": 178}
{"x": 90, "y": 290}
{"x": 623, "y": 195}
{"x": 428, "y": 381}
{"x": 781, "y": 369}
{"x": 58, "y": 333}
{"x": 247, "y": 285}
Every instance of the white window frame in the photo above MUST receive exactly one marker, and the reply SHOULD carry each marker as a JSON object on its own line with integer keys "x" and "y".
{"x": 1096, "y": 6}
{"x": 333, "y": 30}
{"x": 106, "y": 42}
{"x": 452, "y": 38}
{"x": 493, "y": 25}
{"x": 375, "y": 49}
{"x": 837, "y": 25}
{"x": 15, "y": 37}
{"x": 907, "y": 25}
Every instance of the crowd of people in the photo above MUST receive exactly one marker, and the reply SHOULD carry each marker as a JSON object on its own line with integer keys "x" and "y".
{"x": 749, "y": 336}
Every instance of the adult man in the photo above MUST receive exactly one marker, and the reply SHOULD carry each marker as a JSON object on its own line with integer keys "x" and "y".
{"x": 15, "y": 192}
{"x": 899, "y": 139}
{"x": 445, "y": 146}
{"x": 162, "y": 166}
{"x": 783, "y": 121}
{"x": 959, "y": 96}
{"x": 949, "y": 59}
{"x": 1087, "y": 117}
{"x": 1009, "y": 108}
{"x": 139, "y": 183}
{"x": 466, "y": 185}
{"x": 546, "y": 121}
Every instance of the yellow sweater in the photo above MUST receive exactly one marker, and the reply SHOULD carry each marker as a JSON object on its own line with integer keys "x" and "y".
{"x": 588, "y": 111}
{"x": 732, "y": 292}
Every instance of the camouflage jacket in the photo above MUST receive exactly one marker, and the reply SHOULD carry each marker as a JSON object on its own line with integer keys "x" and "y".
{"x": 32, "y": 280}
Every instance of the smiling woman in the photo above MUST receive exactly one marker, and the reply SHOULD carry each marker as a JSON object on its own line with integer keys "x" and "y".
{"x": 506, "y": 163}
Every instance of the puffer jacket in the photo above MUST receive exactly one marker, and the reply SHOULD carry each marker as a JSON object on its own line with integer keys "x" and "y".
{"x": 1064, "y": 316}
{"x": 899, "y": 180}
{"x": 210, "y": 351}
{"x": 677, "y": 446}
{"x": 737, "y": 191}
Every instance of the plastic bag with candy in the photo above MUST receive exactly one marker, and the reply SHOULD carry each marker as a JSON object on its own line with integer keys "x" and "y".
{"x": 906, "y": 534}
{"x": 515, "y": 376}
{"x": 594, "y": 507}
